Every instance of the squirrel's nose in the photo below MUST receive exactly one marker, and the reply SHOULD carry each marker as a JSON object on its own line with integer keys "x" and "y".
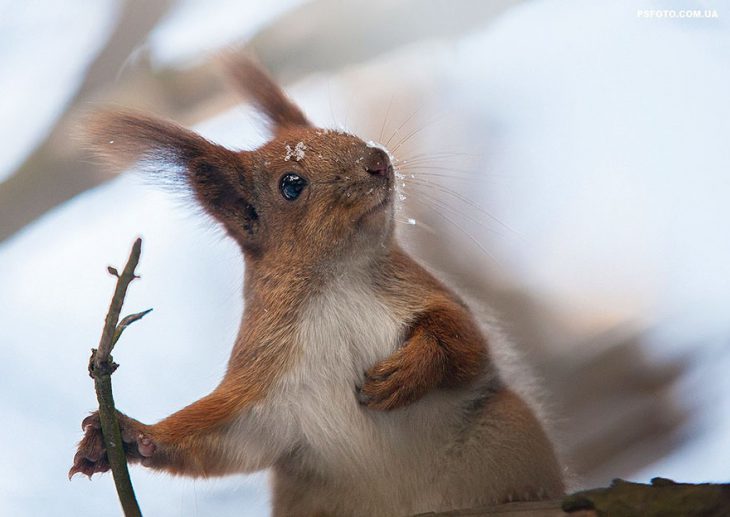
{"x": 378, "y": 163}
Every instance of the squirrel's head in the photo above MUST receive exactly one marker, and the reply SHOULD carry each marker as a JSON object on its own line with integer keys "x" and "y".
{"x": 309, "y": 193}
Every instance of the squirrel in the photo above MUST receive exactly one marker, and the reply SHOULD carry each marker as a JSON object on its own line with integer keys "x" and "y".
{"x": 363, "y": 382}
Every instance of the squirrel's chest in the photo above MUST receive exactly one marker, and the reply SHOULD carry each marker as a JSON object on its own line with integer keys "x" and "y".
{"x": 346, "y": 329}
{"x": 343, "y": 331}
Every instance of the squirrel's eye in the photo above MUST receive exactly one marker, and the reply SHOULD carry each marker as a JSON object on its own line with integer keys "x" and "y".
{"x": 291, "y": 185}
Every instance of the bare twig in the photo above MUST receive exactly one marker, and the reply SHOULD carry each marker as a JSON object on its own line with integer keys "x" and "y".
{"x": 101, "y": 367}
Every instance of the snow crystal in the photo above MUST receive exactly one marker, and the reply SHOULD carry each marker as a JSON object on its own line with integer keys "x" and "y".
{"x": 297, "y": 153}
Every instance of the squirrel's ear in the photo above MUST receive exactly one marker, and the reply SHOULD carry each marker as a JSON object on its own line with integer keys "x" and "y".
{"x": 258, "y": 86}
{"x": 122, "y": 138}
{"x": 216, "y": 175}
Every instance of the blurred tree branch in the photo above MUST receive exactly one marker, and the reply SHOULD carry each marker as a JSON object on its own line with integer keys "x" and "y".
{"x": 329, "y": 34}
{"x": 52, "y": 173}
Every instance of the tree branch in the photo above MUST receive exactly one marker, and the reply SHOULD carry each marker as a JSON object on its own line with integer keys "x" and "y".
{"x": 54, "y": 171}
{"x": 101, "y": 367}
{"x": 661, "y": 497}
{"x": 622, "y": 499}
{"x": 58, "y": 170}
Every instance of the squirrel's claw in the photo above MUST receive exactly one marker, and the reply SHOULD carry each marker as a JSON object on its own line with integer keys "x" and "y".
{"x": 91, "y": 456}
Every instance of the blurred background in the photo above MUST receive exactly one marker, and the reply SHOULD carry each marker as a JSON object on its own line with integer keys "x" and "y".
{"x": 564, "y": 162}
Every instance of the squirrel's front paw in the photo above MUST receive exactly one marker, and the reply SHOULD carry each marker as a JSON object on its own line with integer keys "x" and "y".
{"x": 393, "y": 383}
{"x": 91, "y": 456}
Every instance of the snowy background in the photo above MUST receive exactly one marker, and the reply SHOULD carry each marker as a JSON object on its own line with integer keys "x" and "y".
{"x": 596, "y": 139}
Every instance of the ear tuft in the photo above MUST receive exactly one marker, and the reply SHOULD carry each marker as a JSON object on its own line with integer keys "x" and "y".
{"x": 216, "y": 176}
{"x": 122, "y": 138}
{"x": 258, "y": 86}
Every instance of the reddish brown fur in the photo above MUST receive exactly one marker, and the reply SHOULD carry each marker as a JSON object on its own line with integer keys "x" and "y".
{"x": 509, "y": 409}
{"x": 443, "y": 348}
{"x": 258, "y": 86}
{"x": 290, "y": 248}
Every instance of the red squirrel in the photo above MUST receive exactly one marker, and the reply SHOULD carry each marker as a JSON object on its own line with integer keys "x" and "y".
{"x": 364, "y": 383}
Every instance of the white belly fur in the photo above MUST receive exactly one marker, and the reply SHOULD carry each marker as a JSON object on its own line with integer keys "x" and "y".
{"x": 375, "y": 458}
{"x": 345, "y": 459}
